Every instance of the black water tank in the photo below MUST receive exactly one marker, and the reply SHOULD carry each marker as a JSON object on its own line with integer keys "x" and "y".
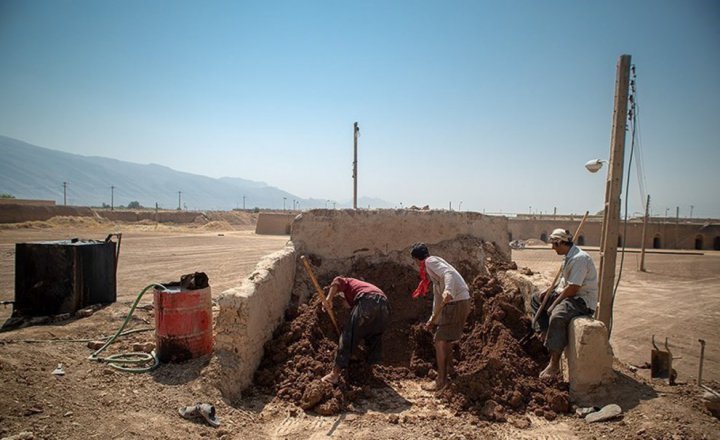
{"x": 55, "y": 277}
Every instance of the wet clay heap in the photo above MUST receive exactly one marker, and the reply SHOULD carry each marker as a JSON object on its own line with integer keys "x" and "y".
{"x": 493, "y": 374}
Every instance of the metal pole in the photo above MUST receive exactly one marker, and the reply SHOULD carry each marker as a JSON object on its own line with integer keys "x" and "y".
{"x": 65, "y": 193}
{"x": 613, "y": 188}
{"x": 243, "y": 203}
{"x": 112, "y": 198}
{"x": 644, "y": 234}
{"x": 356, "y": 131}
{"x": 179, "y": 199}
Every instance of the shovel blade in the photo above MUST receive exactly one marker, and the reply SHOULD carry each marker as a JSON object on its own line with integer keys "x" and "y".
{"x": 660, "y": 364}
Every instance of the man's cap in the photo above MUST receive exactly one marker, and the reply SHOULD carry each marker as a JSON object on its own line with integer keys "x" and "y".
{"x": 419, "y": 251}
{"x": 560, "y": 234}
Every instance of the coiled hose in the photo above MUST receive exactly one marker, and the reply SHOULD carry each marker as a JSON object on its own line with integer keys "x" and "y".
{"x": 118, "y": 361}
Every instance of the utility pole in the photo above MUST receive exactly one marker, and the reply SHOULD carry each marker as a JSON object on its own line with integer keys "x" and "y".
{"x": 356, "y": 133}
{"x": 691, "y": 210}
{"x": 677, "y": 223}
{"x": 243, "y": 203}
{"x": 112, "y": 198}
{"x": 644, "y": 234}
{"x": 179, "y": 199}
{"x": 65, "y": 193}
{"x": 284, "y": 198}
{"x": 613, "y": 188}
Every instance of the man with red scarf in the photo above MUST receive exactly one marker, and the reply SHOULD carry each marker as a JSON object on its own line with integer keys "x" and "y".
{"x": 451, "y": 307}
{"x": 368, "y": 319}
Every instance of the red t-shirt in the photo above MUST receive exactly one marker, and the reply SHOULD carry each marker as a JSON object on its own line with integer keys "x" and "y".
{"x": 353, "y": 289}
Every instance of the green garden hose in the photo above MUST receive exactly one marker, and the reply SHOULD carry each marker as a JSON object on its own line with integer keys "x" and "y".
{"x": 118, "y": 361}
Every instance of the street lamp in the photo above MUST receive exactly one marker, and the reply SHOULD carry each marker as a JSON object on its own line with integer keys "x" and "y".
{"x": 594, "y": 165}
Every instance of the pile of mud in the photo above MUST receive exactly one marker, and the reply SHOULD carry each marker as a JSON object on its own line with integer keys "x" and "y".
{"x": 494, "y": 374}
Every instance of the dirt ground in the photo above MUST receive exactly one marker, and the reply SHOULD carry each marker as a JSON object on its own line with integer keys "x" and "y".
{"x": 95, "y": 401}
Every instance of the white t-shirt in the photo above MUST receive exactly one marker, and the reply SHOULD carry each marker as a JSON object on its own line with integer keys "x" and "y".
{"x": 579, "y": 269}
{"x": 444, "y": 278}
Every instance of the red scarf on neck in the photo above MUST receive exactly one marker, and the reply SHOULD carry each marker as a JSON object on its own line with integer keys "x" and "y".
{"x": 422, "y": 288}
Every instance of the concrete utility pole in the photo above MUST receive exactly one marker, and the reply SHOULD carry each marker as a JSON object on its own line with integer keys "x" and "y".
{"x": 112, "y": 198}
{"x": 677, "y": 222}
{"x": 65, "y": 193}
{"x": 179, "y": 199}
{"x": 243, "y": 203}
{"x": 613, "y": 188}
{"x": 644, "y": 234}
{"x": 356, "y": 133}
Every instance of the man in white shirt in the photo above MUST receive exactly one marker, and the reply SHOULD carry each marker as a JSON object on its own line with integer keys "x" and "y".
{"x": 451, "y": 307}
{"x": 578, "y": 288}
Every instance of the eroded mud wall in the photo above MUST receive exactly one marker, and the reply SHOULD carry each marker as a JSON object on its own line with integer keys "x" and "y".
{"x": 273, "y": 223}
{"x": 332, "y": 234}
{"x": 248, "y": 315}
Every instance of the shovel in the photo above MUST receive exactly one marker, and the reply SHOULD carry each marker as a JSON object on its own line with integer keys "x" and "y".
{"x": 320, "y": 292}
{"x": 661, "y": 363}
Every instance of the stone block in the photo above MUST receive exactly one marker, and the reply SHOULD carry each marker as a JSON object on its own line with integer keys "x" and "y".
{"x": 589, "y": 357}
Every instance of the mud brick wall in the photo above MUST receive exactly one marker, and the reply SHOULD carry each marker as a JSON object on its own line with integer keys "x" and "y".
{"x": 334, "y": 234}
{"x": 273, "y": 223}
{"x": 248, "y": 315}
{"x": 10, "y": 213}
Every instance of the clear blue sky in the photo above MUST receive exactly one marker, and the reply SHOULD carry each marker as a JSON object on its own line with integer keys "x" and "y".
{"x": 496, "y": 104}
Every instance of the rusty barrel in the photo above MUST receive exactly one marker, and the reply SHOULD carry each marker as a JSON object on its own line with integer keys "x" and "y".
{"x": 183, "y": 323}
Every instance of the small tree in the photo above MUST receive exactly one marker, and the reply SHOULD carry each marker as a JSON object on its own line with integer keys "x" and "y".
{"x": 6, "y": 196}
{"x": 134, "y": 205}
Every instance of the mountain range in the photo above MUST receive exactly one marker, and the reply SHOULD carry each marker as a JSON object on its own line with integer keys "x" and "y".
{"x": 31, "y": 172}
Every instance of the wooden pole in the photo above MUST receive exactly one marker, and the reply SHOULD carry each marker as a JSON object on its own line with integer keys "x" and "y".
{"x": 324, "y": 300}
{"x": 613, "y": 188}
{"x": 644, "y": 234}
{"x": 356, "y": 131}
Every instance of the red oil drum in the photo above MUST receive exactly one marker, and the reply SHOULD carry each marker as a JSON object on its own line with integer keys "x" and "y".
{"x": 183, "y": 323}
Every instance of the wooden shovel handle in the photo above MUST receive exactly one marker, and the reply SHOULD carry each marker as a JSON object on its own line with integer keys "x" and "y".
{"x": 547, "y": 293}
{"x": 323, "y": 299}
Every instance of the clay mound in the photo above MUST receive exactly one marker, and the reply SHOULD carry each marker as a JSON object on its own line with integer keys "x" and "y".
{"x": 494, "y": 373}
{"x": 216, "y": 225}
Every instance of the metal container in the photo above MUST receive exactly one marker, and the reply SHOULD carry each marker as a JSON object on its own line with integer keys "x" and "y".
{"x": 183, "y": 323}
{"x": 57, "y": 277}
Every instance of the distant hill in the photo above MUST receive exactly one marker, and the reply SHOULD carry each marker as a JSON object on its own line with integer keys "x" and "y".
{"x": 31, "y": 172}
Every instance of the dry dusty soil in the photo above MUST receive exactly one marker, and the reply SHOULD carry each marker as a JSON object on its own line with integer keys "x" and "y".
{"x": 678, "y": 298}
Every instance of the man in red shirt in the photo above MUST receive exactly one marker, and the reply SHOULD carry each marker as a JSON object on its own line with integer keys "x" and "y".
{"x": 368, "y": 319}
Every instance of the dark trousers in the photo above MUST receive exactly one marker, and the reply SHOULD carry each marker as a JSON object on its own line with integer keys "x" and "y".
{"x": 556, "y": 324}
{"x": 368, "y": 319}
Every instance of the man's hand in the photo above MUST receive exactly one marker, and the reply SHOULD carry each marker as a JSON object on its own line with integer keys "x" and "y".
{"x": 446, "y": 297}
{"x": 429, "y": 326}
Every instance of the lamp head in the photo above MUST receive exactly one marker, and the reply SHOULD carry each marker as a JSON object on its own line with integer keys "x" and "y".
{"x": 594, "y": 165}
